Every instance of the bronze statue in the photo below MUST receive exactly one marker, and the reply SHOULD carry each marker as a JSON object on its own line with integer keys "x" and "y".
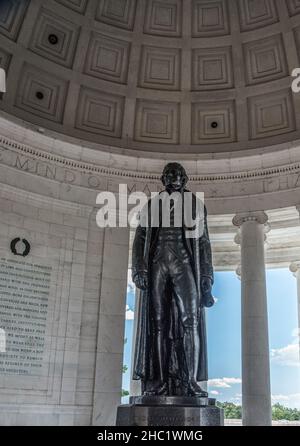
{"x": 175, "y": 275}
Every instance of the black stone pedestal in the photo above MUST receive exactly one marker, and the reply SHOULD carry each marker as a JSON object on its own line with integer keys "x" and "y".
{"x": 170, "y": 411}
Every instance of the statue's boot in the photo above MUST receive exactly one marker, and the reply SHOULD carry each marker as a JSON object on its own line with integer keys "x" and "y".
{"x": 192, "y": 354}
{"x": 160, "y": 387}
{"x": 195, "y": 390}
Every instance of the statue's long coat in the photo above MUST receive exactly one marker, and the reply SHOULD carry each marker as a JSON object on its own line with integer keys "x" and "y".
{"x": 200, "y": 252}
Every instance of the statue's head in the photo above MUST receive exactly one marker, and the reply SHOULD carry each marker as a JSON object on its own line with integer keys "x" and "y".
{"x": 174, "y": 177}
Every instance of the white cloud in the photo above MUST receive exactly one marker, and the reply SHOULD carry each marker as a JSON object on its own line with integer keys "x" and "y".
{"x": 290, "y": 400}
{"x": 129, "y": 313}
{"x": 279, "y": 398}
{"x": 237, "y": 399}
{"x": 224, "y": 383}
{"x": 215, "y": 392}
{"x": 296, "y": 333}
{"x": 287, "y": 356}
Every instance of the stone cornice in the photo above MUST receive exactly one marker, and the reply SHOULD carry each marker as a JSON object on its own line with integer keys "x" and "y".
{"x": 43, "y": 156}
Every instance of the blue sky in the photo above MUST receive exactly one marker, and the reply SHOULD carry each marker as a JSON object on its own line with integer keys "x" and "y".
{"x": 224, "y": 338}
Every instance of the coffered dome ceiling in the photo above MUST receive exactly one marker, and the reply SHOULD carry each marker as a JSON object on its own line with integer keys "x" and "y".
{"x": 186, "y": 76}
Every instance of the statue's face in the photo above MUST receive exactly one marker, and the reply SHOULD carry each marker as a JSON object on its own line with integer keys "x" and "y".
{"x": 173, "y": 178}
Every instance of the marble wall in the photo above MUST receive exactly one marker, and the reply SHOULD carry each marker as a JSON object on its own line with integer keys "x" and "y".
{"x": 80, "y": 382}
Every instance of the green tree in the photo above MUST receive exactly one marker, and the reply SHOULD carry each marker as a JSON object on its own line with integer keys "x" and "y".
{"x": 124, "y": 370}
{"x": 231, "y": 410}
{"x": 279, "y": 412}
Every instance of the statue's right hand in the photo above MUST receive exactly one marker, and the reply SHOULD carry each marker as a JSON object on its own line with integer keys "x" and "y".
{"x": 141, "y": 280}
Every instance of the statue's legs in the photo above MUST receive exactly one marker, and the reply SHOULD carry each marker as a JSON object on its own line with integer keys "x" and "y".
{"x": 186, "y": 293}
{"x": 191, "y": 344}
{"x": 159, "y": 308}
{"x": 172, "y": 274}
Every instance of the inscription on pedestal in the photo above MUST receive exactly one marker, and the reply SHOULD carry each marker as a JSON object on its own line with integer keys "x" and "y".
{"x": 170, "y": 411}
{"x": 166, "y": 420}
{"x": 24, "y": 300}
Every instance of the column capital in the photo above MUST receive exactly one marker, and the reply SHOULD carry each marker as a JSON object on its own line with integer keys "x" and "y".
{"x": 295, "y": 267}
{"x": 257, "y": 216}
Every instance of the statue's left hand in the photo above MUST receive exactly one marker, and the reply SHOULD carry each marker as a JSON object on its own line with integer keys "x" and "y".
{"x": 206, "y": 284}
{"x": 141, "y": 280}
{"x": 207, "y": 297}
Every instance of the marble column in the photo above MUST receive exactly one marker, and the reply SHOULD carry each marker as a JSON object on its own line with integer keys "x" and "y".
{"x": 111, "y": 324}
{"x": 2, "y": 81}
{"x": 295, "y": 269}
{"x": 256, "y": 391}
{"x": 135, "y": 385}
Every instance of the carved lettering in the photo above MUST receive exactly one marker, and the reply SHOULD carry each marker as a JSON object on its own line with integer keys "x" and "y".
{"x": 131, "y": 188}
{"x": 25, "y": 164}
{"x": 59, "y": 173}
{"x": 24, "y": 289}
{"x": 50, "y": 172}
